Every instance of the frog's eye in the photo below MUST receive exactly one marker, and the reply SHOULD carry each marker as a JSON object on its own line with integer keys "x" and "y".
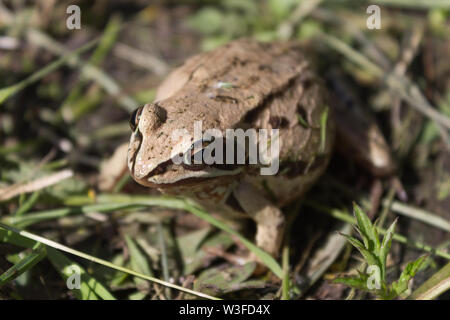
{"x": 134, "y": 118}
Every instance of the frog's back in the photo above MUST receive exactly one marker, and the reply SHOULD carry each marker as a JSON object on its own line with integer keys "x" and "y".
{"x": 247, "y": 84}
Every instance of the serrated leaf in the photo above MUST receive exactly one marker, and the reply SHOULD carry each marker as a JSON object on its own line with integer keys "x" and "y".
{"x": 408, "y": 273}
{"x": 354, "y": 282}
{"x": 370, "y": 258}
{"x": 385, "y": 247}
{"x": 364, "y": 238}
{"x": 367, "y": 229}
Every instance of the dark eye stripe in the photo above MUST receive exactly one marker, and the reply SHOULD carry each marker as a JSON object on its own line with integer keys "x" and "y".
{"x": 134, "y": 118}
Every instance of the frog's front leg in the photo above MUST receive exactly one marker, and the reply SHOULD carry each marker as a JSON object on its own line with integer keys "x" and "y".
{"x": 269, "y": 218}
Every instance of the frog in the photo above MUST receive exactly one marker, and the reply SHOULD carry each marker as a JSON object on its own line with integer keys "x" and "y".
{"x": 246, "y": 84}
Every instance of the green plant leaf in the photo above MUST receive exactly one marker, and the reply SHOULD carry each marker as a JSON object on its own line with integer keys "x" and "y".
{"x": 367, "y": 229}
{"x": 411, "y": 269}
{"x": 385, "y": 247}
{"x": 368, "y": 256}
{"x": 354, "y": 282}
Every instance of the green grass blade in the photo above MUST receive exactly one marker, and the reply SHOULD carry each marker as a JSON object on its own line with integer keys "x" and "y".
{"x": 29, "y": 237}
{"x": 7, "y": 92}
{"x": 8, "y": 236}
{"x": 90, "y": 288}
{"x": 285, "y": 284}
{"x": 32, "y": 218}
{"x": 266, "y": 258}
{"x": 29, "y": 203}
{"x": 138, "y": 262}
{"x": 114, "y": 202}
{"x": 323, "y": 129}
{"x": 23, "y": 265}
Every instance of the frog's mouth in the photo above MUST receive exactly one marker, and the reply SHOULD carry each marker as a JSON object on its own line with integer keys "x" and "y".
{"x": 168, "y": 174}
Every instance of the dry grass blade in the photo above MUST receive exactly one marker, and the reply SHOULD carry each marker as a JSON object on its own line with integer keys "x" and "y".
{"x": 419, "y": 214}
{"x": 141, "y": 58}
{"x": 38, "y": 184}
{"x": 402, "y": 85}
{"x": 419, "y": 4}
{"x": 435, "y": 286}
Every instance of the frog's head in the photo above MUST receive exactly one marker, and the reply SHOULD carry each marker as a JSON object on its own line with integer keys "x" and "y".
{"x": 161, "y": 141}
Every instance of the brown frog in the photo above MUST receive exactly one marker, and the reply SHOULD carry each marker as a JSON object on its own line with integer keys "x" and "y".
{"x": 244, "y": 85}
